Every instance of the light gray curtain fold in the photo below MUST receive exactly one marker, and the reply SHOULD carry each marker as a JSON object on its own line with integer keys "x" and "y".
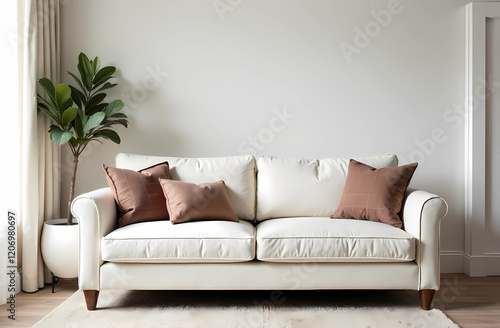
{"x": 39, "y": 56}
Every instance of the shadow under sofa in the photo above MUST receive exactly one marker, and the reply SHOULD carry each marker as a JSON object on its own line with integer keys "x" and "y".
{"x": 285, "y": 239}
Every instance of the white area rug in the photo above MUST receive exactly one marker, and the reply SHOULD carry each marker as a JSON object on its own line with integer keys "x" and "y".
{"x": 246, "y": 309}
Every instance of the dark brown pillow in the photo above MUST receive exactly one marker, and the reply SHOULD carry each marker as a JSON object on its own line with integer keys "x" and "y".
{"x": 138, "y": 194}
{"x": 190, "y": 202}
{"x": 374, "y": 194}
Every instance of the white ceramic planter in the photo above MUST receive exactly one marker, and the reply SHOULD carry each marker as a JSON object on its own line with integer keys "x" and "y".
{"x": 60, "y": 244}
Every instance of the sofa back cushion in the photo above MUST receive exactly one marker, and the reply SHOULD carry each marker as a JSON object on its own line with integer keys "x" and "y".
{"x": 237, "y": 172}
{"x": 300, "y": 187}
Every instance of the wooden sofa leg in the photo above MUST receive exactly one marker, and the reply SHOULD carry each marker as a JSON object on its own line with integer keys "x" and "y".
{"x": 91, "y": 299}
{"x": 426, "y": 296}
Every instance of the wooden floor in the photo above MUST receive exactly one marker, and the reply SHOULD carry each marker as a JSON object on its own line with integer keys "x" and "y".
{"x": 31, "y": 308}
{"x": 470, "y": 302}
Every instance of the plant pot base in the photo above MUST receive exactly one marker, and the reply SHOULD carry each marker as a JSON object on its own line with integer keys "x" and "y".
{"x": 60, "y": 248}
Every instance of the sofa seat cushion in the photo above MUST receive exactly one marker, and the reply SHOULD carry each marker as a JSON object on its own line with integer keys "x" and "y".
{"x": 191, "y": 242}
{"x": 321, "y": 239}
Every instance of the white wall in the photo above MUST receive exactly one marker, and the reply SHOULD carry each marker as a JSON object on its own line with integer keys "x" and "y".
{"x": 225, "y": 78}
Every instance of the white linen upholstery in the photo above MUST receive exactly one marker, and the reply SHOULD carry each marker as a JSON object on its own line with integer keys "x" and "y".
{"x": 237, "y": 172}
{"x": 300, "y": 187}
{"x": 314, "y": 239}
{"x": 191, "y": 242}
{"x": 301, "y": 193}
{"x": 422, "y": 214}
{"x": 257, "y": 275}
{"x": 97, "y": 216}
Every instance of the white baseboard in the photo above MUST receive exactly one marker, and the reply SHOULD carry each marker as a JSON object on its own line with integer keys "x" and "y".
{"x": 482, "y": 266}
{"x": 452, "y": 261}
{"x": 473, "y": 266}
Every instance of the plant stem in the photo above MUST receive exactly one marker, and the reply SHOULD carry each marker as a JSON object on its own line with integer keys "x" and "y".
{"x": 72, "y": 187}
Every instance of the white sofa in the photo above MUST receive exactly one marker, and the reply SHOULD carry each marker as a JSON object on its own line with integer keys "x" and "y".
{"x": 285, "y": 239}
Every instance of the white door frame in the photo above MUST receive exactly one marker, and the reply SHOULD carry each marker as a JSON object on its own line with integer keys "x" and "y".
{"x": 477, "y": 262}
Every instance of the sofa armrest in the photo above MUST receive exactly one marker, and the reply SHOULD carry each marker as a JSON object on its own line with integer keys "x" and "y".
{"x": 422, "y": 214}
{"x": 97, "y": 216}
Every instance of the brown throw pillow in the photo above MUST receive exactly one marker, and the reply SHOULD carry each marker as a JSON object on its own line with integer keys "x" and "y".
{"x": 190, "y": 202}
{"x": 374, "y": 194}
{"x": 138, "y": 194}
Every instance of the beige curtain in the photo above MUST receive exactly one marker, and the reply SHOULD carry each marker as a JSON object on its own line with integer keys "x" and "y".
{"x": 39, "y": 56}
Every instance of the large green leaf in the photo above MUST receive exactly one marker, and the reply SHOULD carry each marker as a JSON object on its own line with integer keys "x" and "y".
{"x": 121, "y": 122}
{"x": 96, "y": 85}
{"x": 107, "y": 85}
{"x": 69, "y": 115}
{"x": 96, "y": 64}
{"x": 49, "y": 88}
{"x": 41, "y": 104}
{"x": 107, "y": 134}
{"x": 114, "y": 107}
{"x": 48, "y": 112}
{"x": 59, "y": 136}
{"x": 62, "y": 95}
{"x": 49, "y": 105}
{"x": 77, "y": 81}
{"x": 67, "y": 104}
{"x": 79, "y": 123}
{"x": 85, "y": 69}
{"x": 98, "y": 108}
{"x": 82, "y": 75}
{"x": 94, "y": 121}
{"x": 77, "y": 96}
{"x": 87, "y": 65}
{"x": 104, "y": 73}
{"x": 114, "y": 122}
{"x": 118, "y": 115}
{"x": 83, "y": 116}
{"x": 95, "y": 100}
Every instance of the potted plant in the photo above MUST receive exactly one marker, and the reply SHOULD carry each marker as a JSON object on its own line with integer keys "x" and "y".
{"x": 79, "y": 115}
